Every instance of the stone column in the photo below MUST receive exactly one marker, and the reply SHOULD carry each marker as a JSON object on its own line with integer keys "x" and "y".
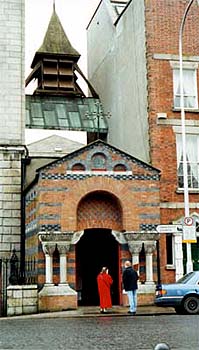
{"x": 63, "y": 250}
{"x": 48, "y": 250}
{"x": 178, "y": 254}
{"x": 149, "y": 249}
{"x": 135, "y": 248}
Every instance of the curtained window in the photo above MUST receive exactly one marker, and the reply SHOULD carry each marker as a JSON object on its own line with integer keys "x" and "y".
{"x": 192, "y": 159}
{"x": 189, "y": 88}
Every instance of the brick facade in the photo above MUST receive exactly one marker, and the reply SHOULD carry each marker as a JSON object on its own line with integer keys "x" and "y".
{"x": 97, "y": 198}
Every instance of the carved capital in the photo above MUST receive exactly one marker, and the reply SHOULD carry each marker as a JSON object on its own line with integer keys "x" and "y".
{"x": 63, "y": 248}
{"x": 135, "y": 247}
{"x": 48, "y": 248}
{"x": 149, "y": 247}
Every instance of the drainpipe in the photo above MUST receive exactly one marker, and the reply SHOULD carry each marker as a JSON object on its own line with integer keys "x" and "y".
{"x": 24, "y": 162}
{"x": 158, "y": 261}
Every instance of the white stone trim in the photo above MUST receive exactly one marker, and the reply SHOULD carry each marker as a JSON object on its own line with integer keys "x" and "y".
{"x": 169, "y": 57}
{"x": 93, "y": 172}
{"x": 192, "y": 129}
{"x": 186, "y": 65}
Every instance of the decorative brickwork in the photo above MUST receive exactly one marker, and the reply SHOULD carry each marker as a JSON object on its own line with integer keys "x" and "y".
{"x": 99, "y": 202}
{"x": 99, "y": 209}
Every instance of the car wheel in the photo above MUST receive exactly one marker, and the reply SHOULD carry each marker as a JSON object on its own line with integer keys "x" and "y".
{"x": 179, "y": 310}
{"x": 191, "y": 305}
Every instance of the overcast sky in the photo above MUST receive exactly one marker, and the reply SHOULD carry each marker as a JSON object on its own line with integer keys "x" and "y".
{"x": 74, "y": 16}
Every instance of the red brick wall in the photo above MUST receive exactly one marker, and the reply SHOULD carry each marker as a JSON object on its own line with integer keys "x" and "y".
{"x": 163, "y": 20}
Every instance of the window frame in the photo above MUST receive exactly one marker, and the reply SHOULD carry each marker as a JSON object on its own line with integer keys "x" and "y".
{"x": 193, "y": 177}
{"x": 188, "y": 66}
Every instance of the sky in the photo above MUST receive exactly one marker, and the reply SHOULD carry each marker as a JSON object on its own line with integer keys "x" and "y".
{"x": 74, "y": 16}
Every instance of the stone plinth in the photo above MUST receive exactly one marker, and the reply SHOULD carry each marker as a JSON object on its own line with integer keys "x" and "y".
{"x": 21, "y": 300}
{"x": 145, "y": 295}
{"x": 57, "y": 298}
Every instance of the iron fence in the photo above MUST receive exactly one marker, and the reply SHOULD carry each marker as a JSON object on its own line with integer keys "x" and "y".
{"x": 4, "y": 264}
{"x": 30, "y": 271}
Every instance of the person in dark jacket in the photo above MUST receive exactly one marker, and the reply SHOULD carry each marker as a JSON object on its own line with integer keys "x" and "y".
{"x": 130, "y": 278}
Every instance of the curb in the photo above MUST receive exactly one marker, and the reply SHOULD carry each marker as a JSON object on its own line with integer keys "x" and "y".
{"x": 85, "y": 312}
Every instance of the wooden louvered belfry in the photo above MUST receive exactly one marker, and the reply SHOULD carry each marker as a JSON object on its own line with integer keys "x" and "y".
{"x": 54, "y": 65}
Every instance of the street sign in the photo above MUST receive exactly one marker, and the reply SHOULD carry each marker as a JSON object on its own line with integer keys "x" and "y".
{"x": 189, "y": 230}
{"x": 169, "y": 228}
{"x": 189, "y": 234}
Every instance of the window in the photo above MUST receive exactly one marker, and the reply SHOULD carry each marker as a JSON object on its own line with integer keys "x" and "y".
{"x": 192, "y": 158}
{"x": 119, "y": 167}
{"x": 189, "y": 85}
{"x": 78, "y": 167}
{"x": 99, "y": 161}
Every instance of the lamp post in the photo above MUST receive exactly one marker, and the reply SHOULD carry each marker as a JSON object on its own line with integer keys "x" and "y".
{"x": 189, "y": 266}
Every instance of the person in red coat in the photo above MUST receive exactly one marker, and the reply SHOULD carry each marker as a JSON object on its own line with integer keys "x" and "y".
{"x": 104, "y": 282}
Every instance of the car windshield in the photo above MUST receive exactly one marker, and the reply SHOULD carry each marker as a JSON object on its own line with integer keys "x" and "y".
{"x": 185, "y": 278}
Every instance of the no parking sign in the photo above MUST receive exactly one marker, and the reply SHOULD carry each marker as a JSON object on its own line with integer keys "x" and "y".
{"x": 189, "y": 230}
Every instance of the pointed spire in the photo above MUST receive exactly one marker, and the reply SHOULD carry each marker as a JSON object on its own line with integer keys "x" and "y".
{"x": 56, "y": 40}
{"x": 54, "y": 64}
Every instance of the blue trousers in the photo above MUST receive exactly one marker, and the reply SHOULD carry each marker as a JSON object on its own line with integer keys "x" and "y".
{"x": 132, "y": 296}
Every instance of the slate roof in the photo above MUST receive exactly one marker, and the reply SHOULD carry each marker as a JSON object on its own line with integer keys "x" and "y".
{"x": 64, "y": 113}
{"x": 53, "y": 146}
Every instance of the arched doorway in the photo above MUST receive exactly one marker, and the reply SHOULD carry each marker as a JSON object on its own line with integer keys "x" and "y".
{"x": 95, "y": 249}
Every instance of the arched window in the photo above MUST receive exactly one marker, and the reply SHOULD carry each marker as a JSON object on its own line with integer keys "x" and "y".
{"x": 78, "y": 166}
{"x": 119, "y": 167}
{"x": 98, "y": 161}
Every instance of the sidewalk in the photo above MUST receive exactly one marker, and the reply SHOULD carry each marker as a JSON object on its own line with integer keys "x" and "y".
{"x": 93, "y": 311}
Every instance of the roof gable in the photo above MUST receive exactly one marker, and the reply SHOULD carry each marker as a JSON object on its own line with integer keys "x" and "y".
{"x": 113, "y": 155}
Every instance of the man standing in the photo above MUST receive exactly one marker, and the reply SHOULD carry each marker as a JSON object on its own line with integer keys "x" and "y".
{"x": 129, "y": 279}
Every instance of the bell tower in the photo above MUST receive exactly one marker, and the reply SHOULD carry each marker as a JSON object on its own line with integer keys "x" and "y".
{"x": 12, "y": 122}
{"x": 54, "y": 65}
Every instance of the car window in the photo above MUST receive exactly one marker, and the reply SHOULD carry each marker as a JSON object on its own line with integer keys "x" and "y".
{"x": 185, "y": 278}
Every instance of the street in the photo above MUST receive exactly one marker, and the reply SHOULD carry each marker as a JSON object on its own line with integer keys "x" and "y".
{"x": 100, "y": 333}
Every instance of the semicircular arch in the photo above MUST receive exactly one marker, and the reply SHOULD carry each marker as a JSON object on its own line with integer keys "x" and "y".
{"x": 99, "y": 209}
{"x": 80, "y": 190}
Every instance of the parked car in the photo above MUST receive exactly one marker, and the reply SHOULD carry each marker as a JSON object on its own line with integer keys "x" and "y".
{"x": 182, "y": 295}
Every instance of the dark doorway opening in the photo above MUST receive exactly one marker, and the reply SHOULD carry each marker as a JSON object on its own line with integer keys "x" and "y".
{"x": 96, "y": 248}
